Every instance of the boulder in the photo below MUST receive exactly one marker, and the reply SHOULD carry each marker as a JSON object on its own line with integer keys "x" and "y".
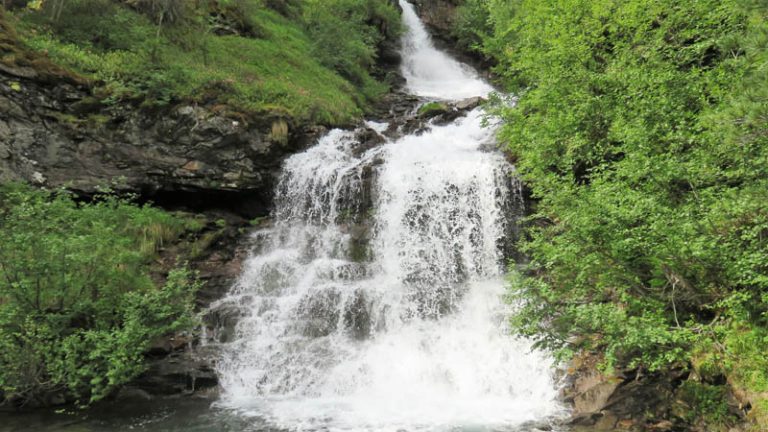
{"x": 469, "y": 103}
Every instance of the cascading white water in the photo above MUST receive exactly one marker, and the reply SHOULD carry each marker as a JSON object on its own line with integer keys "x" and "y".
{"x": 431, "y": 73}
{"x": 375, "y": 300}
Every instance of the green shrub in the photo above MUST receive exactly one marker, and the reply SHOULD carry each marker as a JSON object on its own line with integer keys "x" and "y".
{"x": 640, "y": 127}
{"x": 77, "y": 305}
{"x": 707, "y": 402}
{"x": 473, "y": 25}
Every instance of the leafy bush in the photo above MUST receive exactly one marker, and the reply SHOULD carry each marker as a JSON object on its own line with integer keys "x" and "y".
{"x": 473, "y": 25}
{"x": 641, "y": 128}
{"x": 707, "y": 402}
{"x": 77, "y": 305}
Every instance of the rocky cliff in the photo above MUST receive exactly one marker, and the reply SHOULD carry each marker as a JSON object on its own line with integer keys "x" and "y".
{"x": 55, "y": 134}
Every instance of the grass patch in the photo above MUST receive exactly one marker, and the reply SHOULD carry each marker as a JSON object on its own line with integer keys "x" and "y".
{"x": 272, "y": 67}
{"x": 432, "y": 109}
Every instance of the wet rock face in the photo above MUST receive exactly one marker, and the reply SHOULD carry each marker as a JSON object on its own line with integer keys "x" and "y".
{"x": 407, "y": 114}
{"x": 357, "y": 316}
{"x": 439, "y": 16}
{"x": 56, "y": 134}
{"x": 319, "y": 314}
{"x": 603, "y": 402}
{"x": 438, "y": 113}
{"x": 181, "y": 372}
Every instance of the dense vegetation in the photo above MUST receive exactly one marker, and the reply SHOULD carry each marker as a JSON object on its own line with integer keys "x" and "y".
{"x": 303, "y": 60}
{"x": 642, "y": 128}
{"x": 78, "y": 307}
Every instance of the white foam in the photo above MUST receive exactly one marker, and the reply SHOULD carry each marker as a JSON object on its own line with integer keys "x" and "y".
{"x": 433, "y": 73}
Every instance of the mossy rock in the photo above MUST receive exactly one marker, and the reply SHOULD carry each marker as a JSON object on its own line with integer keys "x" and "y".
{"x": 433, "y": 109}
{"x": 18, "y": 60}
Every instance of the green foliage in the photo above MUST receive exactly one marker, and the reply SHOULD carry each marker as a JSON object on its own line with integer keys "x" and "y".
{"x": 641, "y": 128}
{"x": 431, "y": 109}
{"x": 310, "y": 61}
{"x": 472, "y": 25}
{"x": 707, "y": 402}
{"x": 77, "y": 306}
{"x": 745, "y": 359}
{"x": 346, "y": 33}
{"x": 257, "y": 221}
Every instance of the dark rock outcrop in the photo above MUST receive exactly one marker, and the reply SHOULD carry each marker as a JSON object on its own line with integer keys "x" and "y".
{"x": 438, "y": 113}
{"x": 179, "y": 372}
{"x": 388, "y": 52}
{"x": 56, "y": 134}
{"x": 184, "y": 363}
{"x": 439, "y": 16}
{"x": 623, "y": 401}
{"x": 631, "y": 400}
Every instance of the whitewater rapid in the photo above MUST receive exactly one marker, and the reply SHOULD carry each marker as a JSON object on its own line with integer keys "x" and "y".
{"x": 375, "y": 300}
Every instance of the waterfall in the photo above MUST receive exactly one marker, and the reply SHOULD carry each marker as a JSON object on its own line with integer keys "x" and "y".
{"x": 374, "y": 301}
{"x": 431, "y": 73}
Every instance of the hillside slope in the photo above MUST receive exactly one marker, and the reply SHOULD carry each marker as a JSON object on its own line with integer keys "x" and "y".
{"x": 193, "y": 102}
{"x": 309, "y": 61}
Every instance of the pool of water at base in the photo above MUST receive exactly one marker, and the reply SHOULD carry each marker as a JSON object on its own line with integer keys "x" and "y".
{"x": 168, "y": 415}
